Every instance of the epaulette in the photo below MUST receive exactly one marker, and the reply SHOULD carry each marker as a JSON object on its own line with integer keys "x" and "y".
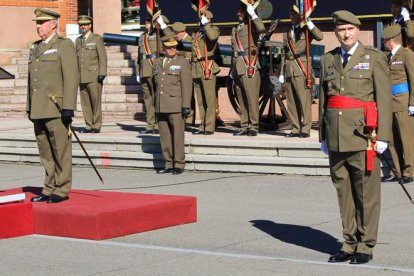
{"x": 372, "y": 48}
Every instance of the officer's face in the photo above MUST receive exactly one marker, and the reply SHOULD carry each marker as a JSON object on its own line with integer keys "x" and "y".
{"x": 45, "y": 28}
{"x": 395, "y": 10}
{"x": 294, "y": 17}
{"x": 240, "y": 15}
{"x": 85, "y": 28}
{"x": 148, "y": 25}
{"x": 347, "y": 35}
{"x": 170, "y": 51}
{"x": 387, "y": 44}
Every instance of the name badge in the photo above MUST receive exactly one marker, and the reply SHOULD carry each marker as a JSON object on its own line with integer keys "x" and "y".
{"x": 50, "y": 51}
{"x": 175, "y": 67}
{"x": 397, "y": 63}
{"x": 361, "y": 66}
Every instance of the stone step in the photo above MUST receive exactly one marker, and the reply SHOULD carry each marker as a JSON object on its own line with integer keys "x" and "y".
{"x": 14, "y": 99}
{"x": 201, "y": 155}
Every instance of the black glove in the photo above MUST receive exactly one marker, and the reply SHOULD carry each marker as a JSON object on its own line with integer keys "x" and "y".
{"x": 101, "y": 79}
{"x": 185, "y": 111}
{"x": 67, "y": 115}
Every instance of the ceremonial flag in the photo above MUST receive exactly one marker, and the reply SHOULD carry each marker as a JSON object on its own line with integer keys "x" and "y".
{"x": 409, "y": 4}
{"x": 153, "y": 8}
{"x": 254, "y": 3}
{"x": 200, "y": 5}
{"x": 306, "y": 7}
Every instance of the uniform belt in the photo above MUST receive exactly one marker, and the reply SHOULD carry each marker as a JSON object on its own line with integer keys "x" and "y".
{"x": 293, "y": 57}
{"x": 202, "y": 58}
{"x": 400, "y": 88}
{"x": 149, "y": 56}
{"x": 244, "y": 53}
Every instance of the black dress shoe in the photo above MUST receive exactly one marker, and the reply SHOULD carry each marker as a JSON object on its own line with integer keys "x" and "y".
{"x": 56, "y": 199}
{"x": 406, "y": 179}
{"x": 304, "y": 135}
{"x": 290, "y": 135}
{"x": 178, "y": 171}
{"x": 40, "y": 198}
{"x": 96, "y": 131}
{"x": 198, "y": 132}
{"x": 361, "y": 258}
{"x": 149, "y": 131}
{"x": 389, "y": 178}
{"x": 340, "y": 257}
{"x": 165, "y": 170}
{"x": 252, "y": 133}
{"x": 208, "y": 133}
{"x": 240, "y": 133}
{"x": 87, "y": 131}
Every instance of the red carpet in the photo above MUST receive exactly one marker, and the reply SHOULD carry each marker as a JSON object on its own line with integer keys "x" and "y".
{"x": 101, "y": 215}
{"x": 16, "y": 219}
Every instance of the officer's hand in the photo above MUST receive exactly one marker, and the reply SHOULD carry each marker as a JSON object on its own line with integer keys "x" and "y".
{"x": 324, "y": 148}
{"x": 309, "y": 23}
{"x": 203, "y": 20}
{"x": 185, "y": 111}
{"x": 101, "y": 79}
{"x": 282, "y": 79}
{"x": 67, "y": 115}
{"x": 138, "y": 80}
{"x": 380, "y": 146}
{"x": 251, "y": 12}
{"x": 161, "y": 22}
{"x": 405, "y": 14}
{"x": 411, "y": 110}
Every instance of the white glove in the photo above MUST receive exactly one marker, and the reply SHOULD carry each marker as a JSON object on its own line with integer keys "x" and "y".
{"x": 411, "y": 110}
{"x": 324, "y": 148}
{"x": 282, "y": 79}
{"x": 204, "y": 20}
{"x": 380, "y": 146}
{"x": 161, "y": 22}
{"x": 138, "y": 79}
{"x": 405, "y": 14}
{"x": 309, "y": 23}
{"x": 251, "y": 12}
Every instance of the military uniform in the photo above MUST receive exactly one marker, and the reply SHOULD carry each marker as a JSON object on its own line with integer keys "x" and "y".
{"x": 205, "y": 83}
{"x": 298, "y": 95}
{"x": 247, "y": 87}
{"x": 365, "y": 78}
{"x": 92, "y": 62}
{"x": 407, "y": 25}
{"x": 401, "y": 64}
{"x": 173, "y": 88}
{"x": 53, "y": 71}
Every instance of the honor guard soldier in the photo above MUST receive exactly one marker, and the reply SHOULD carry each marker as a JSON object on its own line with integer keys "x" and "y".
{"x": 53, "y": 74}
{"x": 355, "y": 123}
{"x": 245, "y": 72}
{"x": 294, "y": 72}
{"x": 401, "y": 64}
{"x": 204, "y": 70}
{"x": 401, "y": 16}
{"x": 92, "y": 62}
{"x": 179, "y": 30}
{"x": 173, "y": 88}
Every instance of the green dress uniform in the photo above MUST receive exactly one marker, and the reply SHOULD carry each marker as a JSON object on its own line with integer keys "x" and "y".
{"x": 205, "y": 86}
{"x": 173, "y": 88}
{"x": 366, "y": 78}
{"x": 187, "y": 55}
{"x": 247, "y": 87}
{"x": 402, "y": 76}
{"x": 147, "y": 53}
{"x": 53, "y": 70}
{"x": 92, "y": 62}
{"x": 298, "y": 95}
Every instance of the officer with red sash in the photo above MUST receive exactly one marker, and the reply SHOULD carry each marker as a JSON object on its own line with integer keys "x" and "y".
{"x": 355, "y": 124}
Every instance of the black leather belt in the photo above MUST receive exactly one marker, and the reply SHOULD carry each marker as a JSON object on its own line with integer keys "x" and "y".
{"x": 152, "y": 56}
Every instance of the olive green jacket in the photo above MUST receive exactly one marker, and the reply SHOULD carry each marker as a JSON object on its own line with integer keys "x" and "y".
{"x": 365, "y": 77}
{"x": 144, "y": 64}
{"x": 92, "y": 58}
{"x": 53, "y": 70}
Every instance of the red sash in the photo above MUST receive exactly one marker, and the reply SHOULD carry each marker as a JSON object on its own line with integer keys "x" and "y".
{"x": 370, "y": 117}
{"x": 147, "y": 48}
{"x": 250, "y": 64}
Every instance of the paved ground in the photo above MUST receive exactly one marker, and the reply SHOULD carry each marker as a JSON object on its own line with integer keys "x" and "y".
{"x": 247, "y": 225}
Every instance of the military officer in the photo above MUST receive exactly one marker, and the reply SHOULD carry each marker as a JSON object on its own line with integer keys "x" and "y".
{"x": 92, "y": 62}
{"x": 354, "y": 113}
{"x": 172, "y": 74}
{"x": 294, "y": 71}
{"x": 401, "y": 16}
{"x": 245, "y": 72}
{"x": 401, "y": 64}
{"x": 53, "y": 73}
{"x": 204, "y": 72}
{"x": 179, "y": 30}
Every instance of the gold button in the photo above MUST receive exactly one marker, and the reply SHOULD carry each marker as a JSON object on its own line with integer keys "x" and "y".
{"x": 342, "y": 89}
{"x": 35, "y": 80}
{"x": 161, "y": 92}
{"x": 37, "y": 59}
{"x": 35, "y": 70}
{"x": 34, "y": 90}
{"x": 342, "y": 77}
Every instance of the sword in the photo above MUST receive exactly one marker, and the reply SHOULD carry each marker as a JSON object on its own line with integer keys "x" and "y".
{"x": 53, "y": 99}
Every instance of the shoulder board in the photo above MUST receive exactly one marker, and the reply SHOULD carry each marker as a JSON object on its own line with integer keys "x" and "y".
{"x": 372, "y": 48}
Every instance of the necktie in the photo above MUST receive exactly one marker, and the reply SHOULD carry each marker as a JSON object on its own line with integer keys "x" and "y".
{"x": 345, "y": 59}
{"x": 389, "y": 57}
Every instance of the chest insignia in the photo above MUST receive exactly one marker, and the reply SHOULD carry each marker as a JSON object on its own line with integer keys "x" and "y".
{"x": 50, "y": 51}
{"x": 397, "y": 63}
{"x": 361, "y": 66}
{"x": 175, "y": 67}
